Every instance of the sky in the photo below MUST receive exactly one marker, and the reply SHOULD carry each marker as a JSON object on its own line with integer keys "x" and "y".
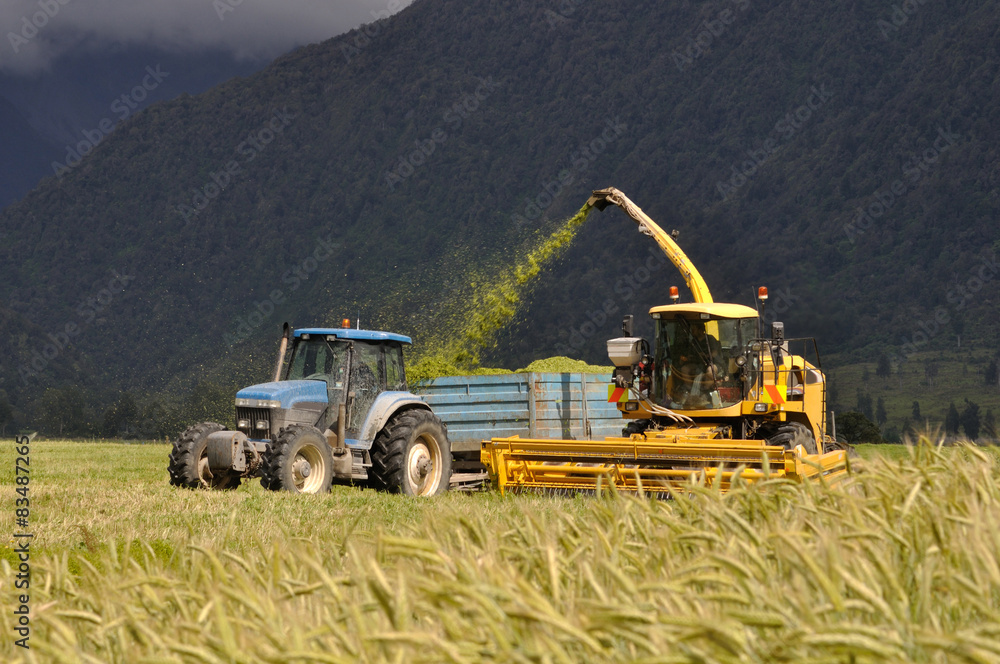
{"x": 36, "y": 32}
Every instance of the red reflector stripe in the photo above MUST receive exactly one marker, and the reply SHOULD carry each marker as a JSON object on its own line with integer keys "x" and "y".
{"x": 774, "y": 392}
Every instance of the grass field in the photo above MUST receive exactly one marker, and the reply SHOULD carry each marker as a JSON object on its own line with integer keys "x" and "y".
{"x": 900, "y": 564}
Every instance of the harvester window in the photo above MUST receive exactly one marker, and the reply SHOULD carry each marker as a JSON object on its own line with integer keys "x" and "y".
{"x": 695, "y": 362}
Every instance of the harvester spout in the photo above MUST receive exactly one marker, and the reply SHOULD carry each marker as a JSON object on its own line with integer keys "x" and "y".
{"x": 601, "y": 198}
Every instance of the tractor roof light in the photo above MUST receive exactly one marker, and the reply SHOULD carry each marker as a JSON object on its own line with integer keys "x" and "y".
{"x": 762, "y": 293}
{"x": 346, "y": 323}
{"x": 675, "y": 294}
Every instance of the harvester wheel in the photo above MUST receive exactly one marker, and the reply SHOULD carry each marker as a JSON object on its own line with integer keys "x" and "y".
{"x": 411, "y": 455}
{"x": 791, "y": 434}
{"x": 189, "y": 460}
{"x": 300, "y": 461}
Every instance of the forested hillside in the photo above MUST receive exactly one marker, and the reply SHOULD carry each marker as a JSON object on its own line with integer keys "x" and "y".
{"x": 844, "y": 155}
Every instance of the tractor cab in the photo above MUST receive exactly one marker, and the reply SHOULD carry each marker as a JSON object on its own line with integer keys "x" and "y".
{"x": 366, "y": 363}
{"x": 325, "y": 368}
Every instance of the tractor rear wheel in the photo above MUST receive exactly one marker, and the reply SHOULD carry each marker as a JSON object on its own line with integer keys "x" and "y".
{"x": 299, "y": 460}
{"x": 189, "y": 460}
{"x": 411, "y": 455}
{"x": 791, "y": 434}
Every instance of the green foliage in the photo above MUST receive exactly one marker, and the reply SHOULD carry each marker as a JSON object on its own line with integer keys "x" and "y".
{"x": 970, "y": 420}
{"x": 856, "y": 428}
{"x": 990, "y": 426}
{"x": 952, "y": 420}
{"x": 884, "y": 368}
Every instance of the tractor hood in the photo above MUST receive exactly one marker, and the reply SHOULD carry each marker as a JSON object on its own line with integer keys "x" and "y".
{"x": 287, "y": 392}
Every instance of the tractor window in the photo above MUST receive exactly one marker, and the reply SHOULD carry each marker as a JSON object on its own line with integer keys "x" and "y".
{"x": 395, "y": 378}
{"x": 366, "y": 382}
{"x": 695, "y": 362}
{"x": 318, "y": 359}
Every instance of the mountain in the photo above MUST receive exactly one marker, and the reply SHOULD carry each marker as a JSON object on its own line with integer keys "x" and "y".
{"x": 382, "y": 173}
{"x": 48, "y": 119}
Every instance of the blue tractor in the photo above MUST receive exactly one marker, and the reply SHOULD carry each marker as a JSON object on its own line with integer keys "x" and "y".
{"x": 338, "y": 410}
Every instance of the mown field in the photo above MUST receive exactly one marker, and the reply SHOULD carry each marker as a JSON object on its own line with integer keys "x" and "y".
{"x": 900, "y": 564}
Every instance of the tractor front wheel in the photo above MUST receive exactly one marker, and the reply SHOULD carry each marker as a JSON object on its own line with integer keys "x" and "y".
{"x": 411, "y": 455}
{"x": 299, "y": 460}
{"x": 189, "y": 460}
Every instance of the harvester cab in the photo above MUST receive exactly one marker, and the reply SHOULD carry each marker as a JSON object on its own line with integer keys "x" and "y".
{"x": 710, "y": 363}
{"x": 338, "y": 410}
{"x": 712, "y": 395}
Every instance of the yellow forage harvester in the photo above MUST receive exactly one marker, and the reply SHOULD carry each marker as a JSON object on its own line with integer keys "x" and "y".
{"x": 712, "y": 397}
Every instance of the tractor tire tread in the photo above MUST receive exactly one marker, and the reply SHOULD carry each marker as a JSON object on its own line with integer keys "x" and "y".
{"x": 389, "y": 450}
{"x": 276, "y": 457}
{"x": 185, "y": 455}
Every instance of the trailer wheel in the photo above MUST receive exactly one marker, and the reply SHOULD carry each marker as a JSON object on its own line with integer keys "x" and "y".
{"x": 791, "y": 434}
{"x": 189, "y": 460}
{"x": 299, "y": 460}
{"x": 411, "y": 455}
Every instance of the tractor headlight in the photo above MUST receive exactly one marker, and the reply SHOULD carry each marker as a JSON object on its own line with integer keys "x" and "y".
{"x": 258, "y": 403}
{"x": 243, "y": 424}
{"x": 261, "y": 424}
{"x": 760, "y": 407}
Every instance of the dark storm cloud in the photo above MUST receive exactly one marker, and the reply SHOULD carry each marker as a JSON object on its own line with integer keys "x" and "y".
{"x": 37, "y": 31}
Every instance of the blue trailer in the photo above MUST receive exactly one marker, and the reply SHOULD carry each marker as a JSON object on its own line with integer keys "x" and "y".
{"x": 567, "y": 406}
